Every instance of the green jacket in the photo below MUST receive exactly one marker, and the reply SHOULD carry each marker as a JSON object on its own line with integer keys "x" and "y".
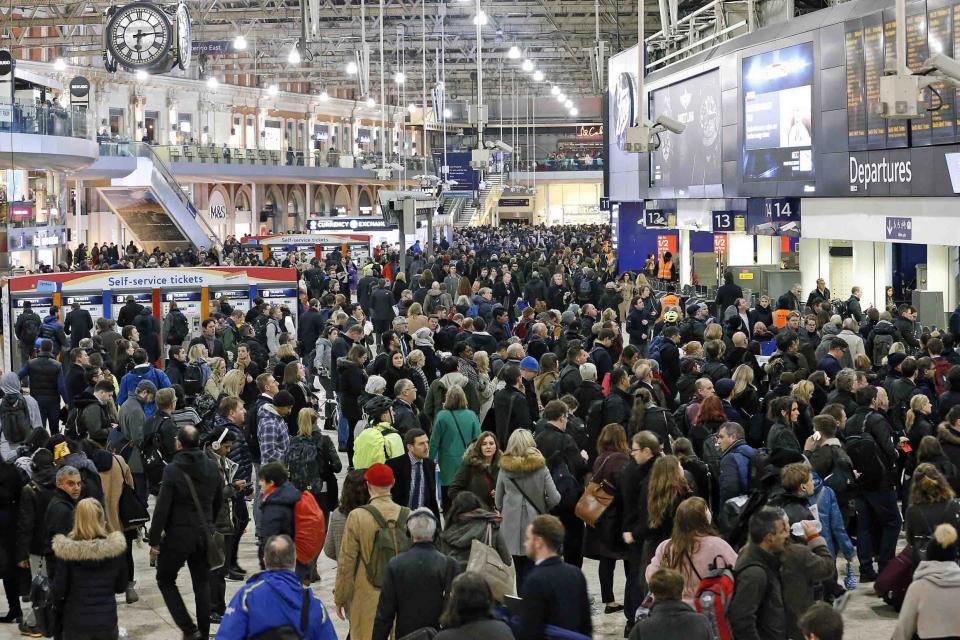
{"x": 453, "y": 432}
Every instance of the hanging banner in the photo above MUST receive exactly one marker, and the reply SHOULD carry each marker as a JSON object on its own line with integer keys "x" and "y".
{"x": 665, "y": 244}
{"x": 720, "y": 243}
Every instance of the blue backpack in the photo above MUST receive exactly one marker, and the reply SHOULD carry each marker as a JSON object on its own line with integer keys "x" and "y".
{"x": 656, "y": 346}
{"x": 473, "y": 311}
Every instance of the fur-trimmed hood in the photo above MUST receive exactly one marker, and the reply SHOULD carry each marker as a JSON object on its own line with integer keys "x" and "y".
{"x": 97, "y": 550}
{"x": 947, "y": 435}
{"x": 532, "y": 461}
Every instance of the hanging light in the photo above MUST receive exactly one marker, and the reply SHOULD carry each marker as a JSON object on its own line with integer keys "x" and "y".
{"x": 212, "y": 83}
{"x": 527, "y": 65}
{"x": 142, "y": 75}
{"x": 561, "y": 97}
{"x": 59, "y": 65}
{"x": 513, "y": 52}
{"x": 555, "y": 90}
{"x": 538, "y": 76}
{"x": 239, "y": 43}
{"x": 447, "y": 113}
{"x": 351, "y": 68}
{"x": 324, "y": 96}
{"x": 371, "y": 103}
{"x": 273, "y": 89}
{"x": 294, "y": 56}
{"x": 573, "y": 111}
{"x": 399, "y": 77}
{"x": 480, "y": 19}
{"x": 568, "y": 104}
{"x": 412, "y": 108}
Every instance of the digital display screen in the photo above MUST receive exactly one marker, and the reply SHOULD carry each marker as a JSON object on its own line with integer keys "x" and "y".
{"x": 693, "y": 157}
{"x": 777, "y": 107}
{"x": 623, "y": 109}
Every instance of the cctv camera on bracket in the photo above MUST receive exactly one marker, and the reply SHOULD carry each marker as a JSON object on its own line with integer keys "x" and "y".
{"x": 901, "y": 95}
{"x": 646, "y": 138}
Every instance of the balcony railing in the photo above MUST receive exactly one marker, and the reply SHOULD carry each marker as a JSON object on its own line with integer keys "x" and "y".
{"x": 45, "y": 120}
{"x": 562, "y": 164}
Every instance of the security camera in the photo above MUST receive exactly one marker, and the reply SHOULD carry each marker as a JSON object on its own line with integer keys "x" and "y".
{"x": 946, "y": 65}
{"x": 669, "y": 124}
{"x": 503, "y": 146}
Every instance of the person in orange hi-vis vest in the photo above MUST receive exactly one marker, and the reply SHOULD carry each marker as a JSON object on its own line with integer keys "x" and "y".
{"x": 666, "y": 270}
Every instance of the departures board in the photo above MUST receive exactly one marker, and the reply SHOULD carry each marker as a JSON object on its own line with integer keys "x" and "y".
{"x": 870, "y": 46}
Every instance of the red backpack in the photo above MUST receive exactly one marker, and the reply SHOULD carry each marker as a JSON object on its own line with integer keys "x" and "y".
{"x": 310, "y": 528}
{"x": 713, "y": 597}
{"x": 942, "y": 368}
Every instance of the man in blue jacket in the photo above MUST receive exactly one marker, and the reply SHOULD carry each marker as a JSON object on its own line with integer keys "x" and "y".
{"x": 274, "y": 599}
{"x": 734, "y": 461}
{"x": 142, "y": 370}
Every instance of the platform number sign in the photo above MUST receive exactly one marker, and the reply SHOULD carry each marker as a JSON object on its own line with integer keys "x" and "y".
{"x": 654, "y": 218}
{"x": 783, "y": 209}
{"x": 723, "y": 221}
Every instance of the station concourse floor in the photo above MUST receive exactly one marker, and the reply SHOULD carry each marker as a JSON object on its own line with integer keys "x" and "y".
{"x": 866, "y": 616}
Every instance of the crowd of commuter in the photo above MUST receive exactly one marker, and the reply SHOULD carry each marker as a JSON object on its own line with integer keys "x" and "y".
{"x": 459, "y": 435}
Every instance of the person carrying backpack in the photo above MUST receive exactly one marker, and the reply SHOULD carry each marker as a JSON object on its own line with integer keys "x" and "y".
{"x": 313, "y": 461}
{"x": 27, "y": 331}
{"x": 286, "y": 510}
{"x": 175, "y": 326}
{"x": 373, "y": 535}
{"x": 871, "y": 447}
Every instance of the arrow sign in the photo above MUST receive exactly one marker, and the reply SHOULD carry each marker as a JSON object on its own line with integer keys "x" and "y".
{"x": 899, "y": 228}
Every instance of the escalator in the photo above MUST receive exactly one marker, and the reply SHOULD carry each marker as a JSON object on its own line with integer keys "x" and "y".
{"x": 154, "y": 208}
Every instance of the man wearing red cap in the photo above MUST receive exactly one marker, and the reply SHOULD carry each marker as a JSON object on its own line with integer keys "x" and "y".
{"x": 356, "y": 593}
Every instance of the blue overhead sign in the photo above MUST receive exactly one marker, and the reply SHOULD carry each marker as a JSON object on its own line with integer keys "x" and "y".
{"x": 655, "y": 218}
{"x": 899, "y": 228}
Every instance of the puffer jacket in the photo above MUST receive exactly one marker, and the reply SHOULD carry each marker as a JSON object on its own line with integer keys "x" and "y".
{"x": 88, "y": 575}
{"x": 521, "y": 475}
{"x": 457, "y": 539}
{"x": 735, "y": 470}
{"x": 276, "y": 514}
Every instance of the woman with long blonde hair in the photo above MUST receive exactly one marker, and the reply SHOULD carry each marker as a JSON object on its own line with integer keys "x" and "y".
{"x": 90, "y": 571}
{"x": 233, "y": 383}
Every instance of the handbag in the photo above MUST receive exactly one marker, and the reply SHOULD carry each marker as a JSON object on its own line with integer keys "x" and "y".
{"x": 892, "y": 583}
{"x": 595, "y": 500}
{"x": 133, "y": 513}
{"x": 216, "y": 556}
{"x": 486, "y": 561}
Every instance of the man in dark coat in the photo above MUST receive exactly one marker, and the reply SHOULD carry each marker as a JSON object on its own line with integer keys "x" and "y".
{"x": 149, "y": 329}
{"x": 78, "y": 324}
{"x": 553, "y": 592}
{"x": 670, "y": 617}
{"x": 178, "y": 532}
{"x": 381, "y": 308}
{"x": 727, "y": 293}
{"x": 208, "y": 338}
{"x": 510, "y": 407}
{"x": 588, "y": 391}
{"x": 47, "y": 384}
{"x": 422, "y": 570}
{"x": 644, "y": 451}
{"x": 59, "y": 515}
{"x": 790, "y": 301}
{"x": 408, "y": 490}
{"x": 756, "y": 610}
{"x": 129, "y": 312}
{"x": 310, "y": 327}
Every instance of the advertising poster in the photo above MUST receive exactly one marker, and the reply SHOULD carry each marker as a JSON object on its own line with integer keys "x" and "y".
{"x": 692, "y": 157}
{"x": 777, "y": 107}
{"x": 624, "y": 168}
{"x": 666, "y": 243}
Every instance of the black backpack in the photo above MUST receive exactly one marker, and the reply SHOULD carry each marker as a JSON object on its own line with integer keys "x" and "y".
{"x": 567, "y": 485}
{"x": 193, "y": 379}
{"x": 260, "y": 329}
{"x": 841, "y": 478}
{"x": 15, "y": 420}
{"x": 865, "y": 456}
{"x": 178, "y": 328}
{"x": 250, "y": 435}
{"x": 585, "y": 288}
{"x": 151, "y": 451}
{"x": 30, "y": 330}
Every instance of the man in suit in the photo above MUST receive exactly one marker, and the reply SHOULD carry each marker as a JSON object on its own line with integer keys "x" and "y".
{"x": 78, "y": 325}
{"x": 416, "y": 475}
{"x": 553, "y": 592}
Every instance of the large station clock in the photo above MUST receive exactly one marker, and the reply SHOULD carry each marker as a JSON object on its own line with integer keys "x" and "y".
{"x": 148, "y": 37}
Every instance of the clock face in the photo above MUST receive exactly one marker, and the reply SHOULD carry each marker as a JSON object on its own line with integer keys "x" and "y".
{"x": 184, "y": 36}
{"x": 139, "y": 35}
{"x": 624, "y": 101}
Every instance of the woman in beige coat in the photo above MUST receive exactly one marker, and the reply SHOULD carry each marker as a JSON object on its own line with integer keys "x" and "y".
{"x": 114, "y": 473}
{"x": 415, "y": 318}
{"x": 626, "y": 293}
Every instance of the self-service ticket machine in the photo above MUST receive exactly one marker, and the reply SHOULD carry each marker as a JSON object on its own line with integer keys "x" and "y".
{"x": 103, "y": 293}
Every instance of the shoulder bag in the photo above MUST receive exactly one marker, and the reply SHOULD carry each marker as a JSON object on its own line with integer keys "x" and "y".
{"x": 133, "y": 513}
{"x": 533, "y": 504}
{"x": 595, "y": 499}
{"x": 485, "y": 560}
{"x": 215, "y": 545}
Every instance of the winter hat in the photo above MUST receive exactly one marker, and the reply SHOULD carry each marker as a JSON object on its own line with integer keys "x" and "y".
{"x": 143, "y": 385}
{"x": 723, "y": 388}
{"x": 423, "y": 337}
{"x": 567, "y": 317}
{"x": 530, "y": 364}
{"x": 379, "y": 475}
{"x": 10, "y": 383}
{"x": 283, "y": 399}
{"x": 894, "y": 360}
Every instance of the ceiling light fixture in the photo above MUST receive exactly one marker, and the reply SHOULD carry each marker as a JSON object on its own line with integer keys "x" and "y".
{"x": 142, "y": 75}
{"x": 371, "y": 103}
{"x": 538, "y": 76}
{"x": 324, "y": 96}
{"x": 411, "y": 108}
{"x": 555, "y": 90}
{"x": 352, "y": 68}
{"x": 273, "y": 89}
{"x": 294, "y": 57}
{"x": 212, "y": 83}
{"x": 59, "y": 65}
{"x": 573, "y": 111}
{"x": 561, "y": 97}
{"x": 447, "y": 113}
{"x": 527, "y": 65}
{"x": 480, "y": 18}
{"x": 513, "y": 53}
{"x": 399, "y": 77}
{"x": 568, "y": 104}
{"x": 239, "y": 43}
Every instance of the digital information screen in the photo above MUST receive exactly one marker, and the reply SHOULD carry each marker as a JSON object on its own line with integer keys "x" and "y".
{"x": 777, "y": 106}
{"x": 693, "y": 157}
{"x": 856, "y": 111}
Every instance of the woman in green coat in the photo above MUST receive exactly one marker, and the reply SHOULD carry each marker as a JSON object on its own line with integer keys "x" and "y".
{"x": 454, "y": 429}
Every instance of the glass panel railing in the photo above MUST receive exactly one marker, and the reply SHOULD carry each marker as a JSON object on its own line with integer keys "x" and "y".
{"x": 562, "y": 164}
{"x": 46, "y": 120}
{"x": 211, "y": 154}
{"x": 144, "y": 150}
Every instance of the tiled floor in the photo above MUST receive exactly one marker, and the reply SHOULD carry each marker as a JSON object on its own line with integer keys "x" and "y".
{"x": 866, "y": 616}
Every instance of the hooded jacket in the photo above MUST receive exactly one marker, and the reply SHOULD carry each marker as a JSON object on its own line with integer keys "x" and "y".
{"x": 89, "y": 573}
{"x": 272, "y": 598}
{"x": 756, "y": 610}
{"x": 146, "y": 371}
{"x": 929, "y": 609}
{"x": 521, "y": 475}
{"x": 276, "y": 515}
{"x": 457, "y": 539}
